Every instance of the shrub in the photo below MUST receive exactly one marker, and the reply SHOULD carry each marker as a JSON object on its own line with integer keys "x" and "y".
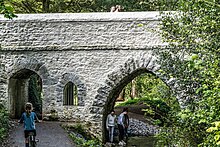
{"x": 4, "y": 122}
{"x": 81, "y": 137}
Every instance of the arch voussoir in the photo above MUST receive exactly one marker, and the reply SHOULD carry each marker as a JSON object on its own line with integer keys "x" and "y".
{"x": 31, "y": 64}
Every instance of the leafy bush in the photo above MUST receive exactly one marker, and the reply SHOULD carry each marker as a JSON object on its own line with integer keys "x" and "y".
{"x": 81, "y": 142}
{"x": 192, "y": 34}
{"x": 155, "y": 104}
{"x": 155, "y": 108}
{"x": 129, "y": 102}
{"x": 81, "y": 137}
{"x": 213, "y": 136}
{"x": 4, "y": 122}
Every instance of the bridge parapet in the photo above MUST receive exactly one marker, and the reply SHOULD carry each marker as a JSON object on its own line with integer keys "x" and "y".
{"x": 81, "y": 31}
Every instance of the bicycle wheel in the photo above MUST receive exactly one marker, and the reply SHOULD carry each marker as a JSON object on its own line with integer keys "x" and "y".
{"x": 32, "y": 142}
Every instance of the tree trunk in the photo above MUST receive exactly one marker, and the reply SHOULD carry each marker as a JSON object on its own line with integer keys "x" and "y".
{"x": 133, "y": 92}
{"x": 121, "y": 96}
{"x": 46, "y": 4}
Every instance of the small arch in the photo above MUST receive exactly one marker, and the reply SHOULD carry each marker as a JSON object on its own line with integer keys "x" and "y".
{"x": 70, "y": 81}
{"x": 70, "y": 95}
{"x": 18, "y": 83}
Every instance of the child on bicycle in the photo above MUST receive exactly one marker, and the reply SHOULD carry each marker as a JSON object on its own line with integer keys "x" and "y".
{"x": 28, "y": 117}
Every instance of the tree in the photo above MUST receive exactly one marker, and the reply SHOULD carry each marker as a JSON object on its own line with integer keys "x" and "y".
{"x": 193, "y": 35}
{"x": 34, "y": 93}
{"x": 77, "y": 6}
{"x": 133, "y": 90}
{"x": 6, "y": 9}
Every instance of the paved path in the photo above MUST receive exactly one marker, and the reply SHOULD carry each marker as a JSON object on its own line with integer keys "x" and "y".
{"x": 50, "y": 134}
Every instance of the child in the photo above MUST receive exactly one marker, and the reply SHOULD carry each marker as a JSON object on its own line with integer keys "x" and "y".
{"x": 28, "y": 117}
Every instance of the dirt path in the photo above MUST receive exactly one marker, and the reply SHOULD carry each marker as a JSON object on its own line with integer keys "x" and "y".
{"x": 50, "y": 134}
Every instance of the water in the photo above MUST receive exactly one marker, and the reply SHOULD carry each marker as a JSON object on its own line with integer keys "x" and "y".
{"x": 136, "y": 141}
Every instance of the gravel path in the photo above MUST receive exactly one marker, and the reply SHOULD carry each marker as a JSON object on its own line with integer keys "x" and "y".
{"x": 50, "y": 134}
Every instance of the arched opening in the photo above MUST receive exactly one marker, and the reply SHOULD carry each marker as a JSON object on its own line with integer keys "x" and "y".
{"x": 141, "y": 102}
{"x": 24, "y": 86}
{"x": 70, "y": 94}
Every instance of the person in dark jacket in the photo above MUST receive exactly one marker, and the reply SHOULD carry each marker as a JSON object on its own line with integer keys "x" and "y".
{"x": 123, "y": 123}
{"x": 126, "y": 117}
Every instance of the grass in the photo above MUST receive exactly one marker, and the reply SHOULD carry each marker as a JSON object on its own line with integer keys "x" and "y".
{"x": 154, "y": 103}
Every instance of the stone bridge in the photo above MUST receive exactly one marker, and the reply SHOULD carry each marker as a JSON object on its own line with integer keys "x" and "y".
{"x": 83, "y": 60}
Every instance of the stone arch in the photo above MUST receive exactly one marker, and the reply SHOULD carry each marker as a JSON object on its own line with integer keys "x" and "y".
{"x": 31, "y": 64}
{"x": 81, "y": 88}
{"x": 18, "y": 79}
{"x": 117, "y": 80}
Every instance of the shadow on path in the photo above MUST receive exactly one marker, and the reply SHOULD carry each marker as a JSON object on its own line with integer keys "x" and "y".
{"x": 50, "y": 134}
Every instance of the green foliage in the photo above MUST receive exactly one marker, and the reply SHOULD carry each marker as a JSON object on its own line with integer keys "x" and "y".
{"x": 215, "y": 141}
{"x": 34, "y": 93}
{"x": 137, "y": 5}
{"x": 6, "y": 9}
{"x": 80, "y": 129}
{"x": 52, "y": 6}
{"x": 153, "y": 92}
{"x": 54, "y": 115}
{"x": 156, "y": 109}
{"x": 81, "y": 137}
{"x": 193, "y": 61}
{"x": 150, "y": 87}
{"x": 129, "y": 102}
{"x": 81, "y": 142}
{"x": 155, "y": 95}
{"x": 157, "y": 104}
{"x": 67, "y": 6}
{"x": 4, "y": 122}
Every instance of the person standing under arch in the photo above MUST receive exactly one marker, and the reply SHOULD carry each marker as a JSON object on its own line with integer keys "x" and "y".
{"x": 123, "y": 123}
{"x": 110, "y": 125}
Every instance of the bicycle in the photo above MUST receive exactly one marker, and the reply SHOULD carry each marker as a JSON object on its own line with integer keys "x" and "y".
{"x": 31, "y": 140}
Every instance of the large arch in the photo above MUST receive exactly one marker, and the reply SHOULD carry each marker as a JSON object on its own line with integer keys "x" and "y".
{"x": 18, "y": 82}
{"x": 110, "y": 103}
{"x": 117, "y": 80}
